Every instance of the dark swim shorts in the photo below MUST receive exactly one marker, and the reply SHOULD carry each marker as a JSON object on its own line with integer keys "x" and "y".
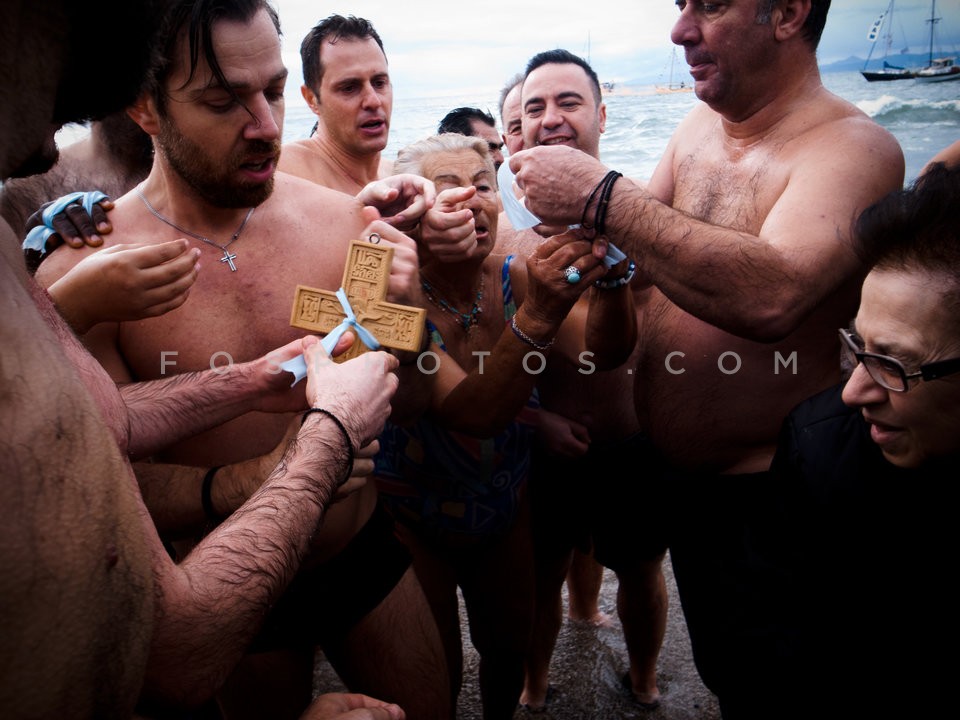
{"x": 611, "y": 499}
{"x": 323, "y": 603}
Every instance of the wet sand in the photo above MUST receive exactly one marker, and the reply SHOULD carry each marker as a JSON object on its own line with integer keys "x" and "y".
{"x": 586, "y": 670}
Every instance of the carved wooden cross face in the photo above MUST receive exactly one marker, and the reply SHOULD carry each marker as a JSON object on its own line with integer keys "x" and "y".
{"x": 365, "y": 279}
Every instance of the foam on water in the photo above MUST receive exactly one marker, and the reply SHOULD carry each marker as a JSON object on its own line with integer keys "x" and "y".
{"x": 924, "y": 118}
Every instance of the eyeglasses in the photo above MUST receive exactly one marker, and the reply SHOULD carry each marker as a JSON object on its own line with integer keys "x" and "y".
{"x": 889, "y": 372}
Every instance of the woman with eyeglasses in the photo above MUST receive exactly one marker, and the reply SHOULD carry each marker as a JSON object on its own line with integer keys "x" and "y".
{"x": 867, "y": 544}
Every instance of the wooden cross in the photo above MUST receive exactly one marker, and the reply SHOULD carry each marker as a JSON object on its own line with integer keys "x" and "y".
{"x": 365, "y": 279}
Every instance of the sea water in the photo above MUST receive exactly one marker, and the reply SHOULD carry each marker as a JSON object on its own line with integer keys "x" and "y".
{"x": 925, "y": 118}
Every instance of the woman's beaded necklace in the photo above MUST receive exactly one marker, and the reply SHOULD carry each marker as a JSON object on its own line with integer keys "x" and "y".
{"x": 466, "y": 320}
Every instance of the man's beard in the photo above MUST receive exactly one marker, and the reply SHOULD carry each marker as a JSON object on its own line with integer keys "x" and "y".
{"x": 211, "y": 179}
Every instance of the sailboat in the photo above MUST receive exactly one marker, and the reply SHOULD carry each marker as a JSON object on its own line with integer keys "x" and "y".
{"x": 671, "y": 86}
{"x": 937, "y": 69}
{"x": 606, "y": 87}
{"x": 889, "y": 72}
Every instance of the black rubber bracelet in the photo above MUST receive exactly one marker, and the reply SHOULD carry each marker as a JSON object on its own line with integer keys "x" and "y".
{"x": 600, "y": 217}
{"x": 343, "y": 430}
{"x": 205, "y": 498}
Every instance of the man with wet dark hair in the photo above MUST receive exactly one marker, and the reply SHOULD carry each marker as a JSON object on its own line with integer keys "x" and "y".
{"x": 217, "y": 139}
{"x": 474, "y": 122}
{"x": 347, "y": 85}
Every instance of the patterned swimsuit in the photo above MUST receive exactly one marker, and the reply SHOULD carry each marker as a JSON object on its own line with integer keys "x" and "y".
{"x": 452, "y": 487}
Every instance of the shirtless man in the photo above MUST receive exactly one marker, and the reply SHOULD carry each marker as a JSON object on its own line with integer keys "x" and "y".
{"x": 114, "y": 157}
{"x": 89, "y": 595}
{"x": 217, "y": 136}
{"x": 510, "y": 115}
{"x": 347, "y": 86}
{"x": 474, "y": 122}
{"x": 743, "y": 232}
{"x": 591, "y": 431}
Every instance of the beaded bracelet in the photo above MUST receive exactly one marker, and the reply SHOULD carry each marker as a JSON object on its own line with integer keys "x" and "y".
{"x": 613, "y": 283}
{"x": 206, "y": 488}
{"x": 343, "y": 430}
{"x": 527, "y": 339}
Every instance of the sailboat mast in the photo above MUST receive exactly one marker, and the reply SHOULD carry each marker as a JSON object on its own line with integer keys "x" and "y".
{"x": 933, "y": 23}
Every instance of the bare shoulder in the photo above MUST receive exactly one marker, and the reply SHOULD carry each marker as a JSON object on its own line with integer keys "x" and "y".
{"x": 21, "y": 197}
{"x": 302, "y": 208}
{"x": 294, "y": 190}
{"x": 838, "y": 138}
{"x": 842, "y": 123}
{"x": 515, "y": 242}
{"x": 296, "y": 157}
{"x": 63, "y": 259}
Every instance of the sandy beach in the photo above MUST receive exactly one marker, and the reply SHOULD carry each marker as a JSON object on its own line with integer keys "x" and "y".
{"x": 586, "y": 670}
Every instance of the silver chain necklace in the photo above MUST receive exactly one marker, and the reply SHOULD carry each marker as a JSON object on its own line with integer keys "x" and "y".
{"x": 228, "y": 257}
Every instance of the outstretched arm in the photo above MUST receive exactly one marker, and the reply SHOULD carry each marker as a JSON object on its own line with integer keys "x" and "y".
{"x": 163, "y": 412}
{"x": 601, "y": 329}
{"x": 126, "y": 282}
{"x": 211, "y": 605}
{"x": 758, "y": 284}
{"x": 483, "y": 401}
{"x": 185, "y": 501}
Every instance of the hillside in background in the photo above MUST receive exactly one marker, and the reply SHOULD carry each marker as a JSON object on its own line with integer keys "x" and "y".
{"x": 907, "y": 60}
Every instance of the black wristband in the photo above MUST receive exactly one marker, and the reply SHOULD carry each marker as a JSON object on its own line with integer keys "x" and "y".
{"x": 343, "y": 430}
{"x": 600, "y": 216}
{"x": 205, "y": 498}
{"x": 602, "y": 195}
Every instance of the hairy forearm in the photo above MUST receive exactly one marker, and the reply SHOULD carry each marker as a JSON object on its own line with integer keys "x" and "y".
{"x": 172, "y": 493}
{"x": 225, "y": 587}
{"x": 733, "y": 280}
{"x": 163, "y": 412}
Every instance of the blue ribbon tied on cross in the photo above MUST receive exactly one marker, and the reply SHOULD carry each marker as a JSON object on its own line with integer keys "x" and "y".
{"x": 298, "y": 365}
{"x": 37, "y": 238}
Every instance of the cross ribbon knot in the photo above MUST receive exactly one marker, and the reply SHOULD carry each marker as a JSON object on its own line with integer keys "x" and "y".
{"x": 298, "y": 366}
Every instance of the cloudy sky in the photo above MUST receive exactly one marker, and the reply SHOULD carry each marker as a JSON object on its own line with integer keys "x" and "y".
{"x": 439, "y": 47}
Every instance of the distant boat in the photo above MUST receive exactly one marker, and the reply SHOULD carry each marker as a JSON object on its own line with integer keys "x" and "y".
{"x": 671, "y": 86}
{"x": 606, "y": 88}
{"x": 888, "y": 72}
{"x": 937, "y": 69}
